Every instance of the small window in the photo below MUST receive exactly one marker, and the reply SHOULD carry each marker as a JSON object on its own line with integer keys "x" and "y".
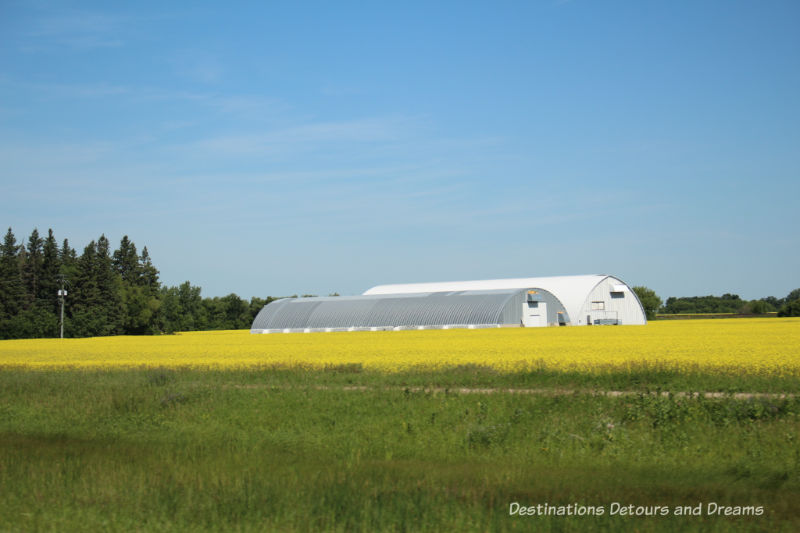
{"x": 598, "y": 306}
{"x": 617, "y": 294}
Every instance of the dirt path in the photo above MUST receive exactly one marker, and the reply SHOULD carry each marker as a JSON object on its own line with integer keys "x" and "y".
{"x": 535, "y": 392}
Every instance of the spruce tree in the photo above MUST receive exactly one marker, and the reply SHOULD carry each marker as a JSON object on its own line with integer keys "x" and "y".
{"x": 12, "y": 292}
{"x": 97, "y": 305}
{"x": 32, "y": 268}
{"x": 110, "y": 287}
{"x": 139, "y": 305}
{"x": 85, "y": 296}
{"x": 51, "y": 271}
{"x": 126, "y": 262}
{"x": 68, "y": 260}
{"x": 149, "y": 276}
{"x": 67, "y": 255}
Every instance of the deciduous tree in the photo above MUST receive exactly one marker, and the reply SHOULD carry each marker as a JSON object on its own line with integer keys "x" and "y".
{"x": 651, "y": 302}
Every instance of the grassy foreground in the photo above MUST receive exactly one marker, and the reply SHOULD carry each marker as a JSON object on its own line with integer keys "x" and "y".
{"x": 345, "y": 449}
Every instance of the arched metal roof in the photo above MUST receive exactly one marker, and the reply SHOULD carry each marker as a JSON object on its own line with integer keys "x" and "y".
{"x": 572, "y": 291}
{"x": 435, "y": 309}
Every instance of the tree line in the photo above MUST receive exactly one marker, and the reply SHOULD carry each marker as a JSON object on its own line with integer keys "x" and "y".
{"x": 109, "y": 292}
{"x": 119, "y": 293}
{"x": 727, "y": 303}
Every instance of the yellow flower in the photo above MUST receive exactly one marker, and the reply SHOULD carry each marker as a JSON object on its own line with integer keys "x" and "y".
{"x": 753, "y": 346}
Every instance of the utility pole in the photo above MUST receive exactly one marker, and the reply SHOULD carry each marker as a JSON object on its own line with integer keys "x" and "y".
{"x": 62, "y": 292}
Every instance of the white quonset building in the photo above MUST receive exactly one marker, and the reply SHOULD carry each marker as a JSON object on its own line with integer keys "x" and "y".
{"x": 528, "y": 302}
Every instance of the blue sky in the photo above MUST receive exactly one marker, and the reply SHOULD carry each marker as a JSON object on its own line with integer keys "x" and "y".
{"x": 270, "y": 149}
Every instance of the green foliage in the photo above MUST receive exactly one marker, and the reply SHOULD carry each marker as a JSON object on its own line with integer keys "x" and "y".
{"x": 119, "y": 292}
{"x": 12, "y": 291}
{"x": 98, "y": 307}
{"x": 182, "y": 309}
{"x": 792, "y": 308}
{"x": 792, "y": 296}
{"x": 36, "y": 321}
{"x": 650, "y": 301}
{"x": 32, "y": 267}
{"x": 265, "y": 450}
{"x": 757, "y": 307}
{"x": 140, "y": 309}
{"x": 228, "y": 312}
{"x": 727, "y": 303}
{"x": 126, "y": 262}
{"x": 790, "y": 304}
{"x": 110, "y": 293}
{"x": 148, "y": 275}
{"x": 51, "y": 267}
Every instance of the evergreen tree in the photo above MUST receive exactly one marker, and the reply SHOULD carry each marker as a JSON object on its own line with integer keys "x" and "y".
{"x": 149, "y": 273}
{"x": 109, "y": 293}
{"x": 68, "y": 259}
{"x": 85, "y": 296}
{"x": 26, "y": 311}
{"x": 67, "y": 255}
{"x": 97, "y": 301}
{"x": 51, "y": 271}
{"x": 126, "y": 262}
{"x": 12, "y": 292}
{"x": 150, "y": 287}
{"x": 110, "y": 286}
{"x": 137, "y": 304}
{"x": 32, "y": 268}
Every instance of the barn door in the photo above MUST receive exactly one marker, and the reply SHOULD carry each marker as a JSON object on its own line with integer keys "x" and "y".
{"x": 534, "y": 314}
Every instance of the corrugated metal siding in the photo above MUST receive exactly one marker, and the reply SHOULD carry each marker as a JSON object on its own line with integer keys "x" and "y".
{"x": 570, "y": 290}
{"x": 574, "y": 292}
{"x": 340, "y": 314}
{"x": 436, "y": 310}
{"x": 268, "y": 313}
{"x": 459, "y": 308}
{"x": 290, "y": 312}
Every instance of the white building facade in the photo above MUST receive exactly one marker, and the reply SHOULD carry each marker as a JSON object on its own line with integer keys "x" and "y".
{"x": 588, "y": 299}
{"x": 528, "y": 302}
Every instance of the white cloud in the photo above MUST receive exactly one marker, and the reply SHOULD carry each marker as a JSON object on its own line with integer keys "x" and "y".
{"x": 233, "y": 105}
{"x": 77, "y": 30}
{"x": 197, "y": 66}
{"x": 307, "y": 136}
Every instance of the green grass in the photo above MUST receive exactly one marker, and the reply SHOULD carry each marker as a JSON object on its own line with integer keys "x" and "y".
{"x": 688, "y": 316}
{"x": 637, "y": 377}
{"x": 272, "y": 449}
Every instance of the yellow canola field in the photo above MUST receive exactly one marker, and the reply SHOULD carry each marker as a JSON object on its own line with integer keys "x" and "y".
{"x": 752, "y": 346}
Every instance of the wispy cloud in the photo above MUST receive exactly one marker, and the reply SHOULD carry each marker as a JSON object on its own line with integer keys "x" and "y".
{"x": 77, "y": 30}
{"x": 230, "y": 104}
{"x": 307, "y": 136}
{"x": 73, "y": 90}
{"x": 198, "y": 66}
